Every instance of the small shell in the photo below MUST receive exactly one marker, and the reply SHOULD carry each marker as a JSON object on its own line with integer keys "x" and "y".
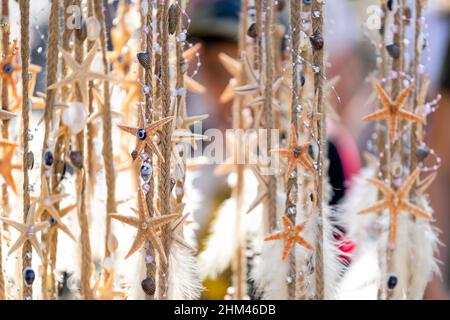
{"x": 75, "y": 117}
{"x": 148, "y": 285}
{"x": 252, "y": 31}
{"x": 317, "y": 41}
{"x": 174, "y": 14}
{"x": 144, "y": 59}
{"x": 29, "y": 160}
{"x": 393, "y": 50}
{"x": 113, "y": 243}
{"x": 146, "y": 171}
{"x": 422, "y": 153}
{"x": 76, "y": 158}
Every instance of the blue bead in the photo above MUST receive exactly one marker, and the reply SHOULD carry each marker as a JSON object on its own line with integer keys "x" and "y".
{"x": 141, "y": 134}
{"x": 307, "y": 1}
{"x": 48, "y": 158}
{"x": 392, "y": 282}
{"x": 8, "y": 68}
{"x": 146, "y": 171}
{"x": 28, "y": 276}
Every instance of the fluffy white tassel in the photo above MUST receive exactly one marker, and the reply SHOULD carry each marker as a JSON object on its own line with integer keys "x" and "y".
{"x": 424, "y": 242}
{"x": 184, "y": 281}
{"x": 270, "y": 273}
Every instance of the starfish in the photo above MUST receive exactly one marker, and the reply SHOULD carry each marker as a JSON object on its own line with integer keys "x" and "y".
{"x": 297, "y": 154}
{"x": 234, "y": 68}
{"x": 190, "y": 83}
{"x": 147, "y": 226}
{"x": 7, "y": 69}
{"x": 27, "y": 231}
{"x": 45, "y": 203}
{"x": 395, "y": 202}
{"x": 99, "y": 112}
{"x": 6, "y": 166}
{"x": 263, "y": 191}
{"x": 392, "y": 111}
{"x": 7, "y": 143}
{"x": 62, "y": 213}
{"x": 6, "y": 115}
{"x": 81, "y": 73}
{"x": 104, "y": 287}
{"x": 144, "y": 134}
{"x": 33, "y": 71}
{"x": 290, "y": 234}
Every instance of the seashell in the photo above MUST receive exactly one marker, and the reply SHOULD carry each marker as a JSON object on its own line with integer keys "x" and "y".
{"x": 76, "y": 158}
{"x": 144, "y": 59}
{"x": 113, "y": 243}
{"x": 75, "y": 117}
{"x": 393, "y": 50}
{"x": 81, "y": 32}
{"x": 252, "y": 31}
{"x": 134, "y": 154}
{"x": 29, "y": 160}
{"x": 281, "y": 4}
{"x": 174, "y": 14}
{"x": 422, "y": 153}
{"x": 148, "y": 285}
{"x": 146, "y": 171}
{"x": 392, "y": 281}
{"x": 317, "y": 41}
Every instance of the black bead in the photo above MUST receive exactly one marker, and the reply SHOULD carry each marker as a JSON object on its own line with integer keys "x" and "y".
{"x": 144, "y": 59}
{"x": 148, "y": 285}
{"x": 28, "y": 276}
{"x": 302, "y": 79}
{"x": 48, "y": 158}
{"x": 392, "y": 282}
{"x": 393, "y": 50}
{"x": 174, "y": 13}
{"x": 252, "y": 31}
{"x": 76, "y": 158}
{"x": 53, "y": 221}
{"x": 29, "y": 160}
{"x": 422, "y": 153}
{"x": 317, "y": 41}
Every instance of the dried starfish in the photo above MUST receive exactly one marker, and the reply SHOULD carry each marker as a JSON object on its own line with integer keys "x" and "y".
{"x": 147, "y": 226}
{"x": 6, "y": 166}
{"x": 297, "y": 154}
{"x": 45, "y": 203}
{"x": 263, "y": 191}
{"x": 27, "y": 231}
{"x": 392, "y": 110}
{"x": 290, "y": 235}
{"x": 81, "y": 73}
{"x": 395, "y": 201}
{"x": 8, "y": 68}
{"x": 62, "y": 213}
{"x": 144, "y": 134}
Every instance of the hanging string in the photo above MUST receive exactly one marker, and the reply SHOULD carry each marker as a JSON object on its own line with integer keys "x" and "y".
{"x": 318, "y": 63}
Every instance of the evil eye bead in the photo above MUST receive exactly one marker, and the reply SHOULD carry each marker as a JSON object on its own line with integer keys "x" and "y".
{"x": 141, "y": 134}
{"x": 307, "y": 1}
{"x": 28, "y": 276}
{"x": 7, "y": 68}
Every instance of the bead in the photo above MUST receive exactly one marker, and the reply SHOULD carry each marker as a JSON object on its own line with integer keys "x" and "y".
{"x": 76, "y": 158}
{"x": 148, "y": 285}
{"x": 307, "y": 1}
{"x": 317, "y": 41}
{"x": 53, "y": 221}
{"x": 390, "y": 4}
{"x": 252, "y": 31}
{"x": 113, "y": 243}
{"x": 393, "y": 50}
{"x": 141, "y": 134}
{"x": 144, "y": 59}
{"x": 134, "y": 154}
{"x": 302, "y": 79}
{"x": 48, "y": 158}
{"x": 28, "y": 276}
{"x": 174, "y": 13}
{"x": 392, "y": 282}
{"x": 7, "y": 68}
{"x": 146, "y": 171}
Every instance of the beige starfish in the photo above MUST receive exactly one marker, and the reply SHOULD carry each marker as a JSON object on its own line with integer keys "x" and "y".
{"x": 81, "y": 73}
{"x": 392, "y": 110}
{"x": 395, "y": 201}
{"x": 263, "y": 191}
{"x": 147, "y": 226}
{"x": 6, "y": 166}
{"x": 290, "y": 235}
{"x": 45, "y": 203}
{"x": 57, "y": 226}
{"x": 27, "y": 231}
{"x": 144, "y": 134}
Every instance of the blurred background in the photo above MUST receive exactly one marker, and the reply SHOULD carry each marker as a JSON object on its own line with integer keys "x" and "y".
{"x": 350, "y": 45}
